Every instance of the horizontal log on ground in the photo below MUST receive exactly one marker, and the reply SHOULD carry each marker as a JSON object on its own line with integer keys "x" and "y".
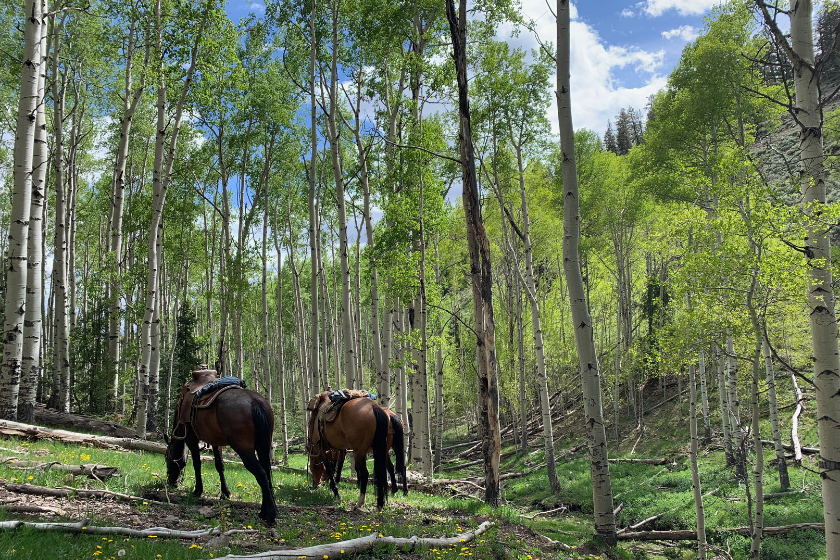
{"x": 83, "y": 527}
{"x": 26, "y": 508}
{"x": 54, "y": 418}
{"x": 96, "y": 472}
{"x": 181, "y": 499}
{"x": 692, "y": 535}
{"x": 343, "y": 549}
{"x": 655, "y": 461}
{"x": 788, "y": 447}
{"x": 34, "y": 490}
{"x": 9, "y": 428}
{"x": 458, "y": 445}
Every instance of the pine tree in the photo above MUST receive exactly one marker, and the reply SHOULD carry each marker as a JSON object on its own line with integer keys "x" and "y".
{"x": 610, "y": 140}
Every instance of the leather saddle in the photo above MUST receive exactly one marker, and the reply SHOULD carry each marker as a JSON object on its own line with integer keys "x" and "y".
{"x": 200, "y": 377}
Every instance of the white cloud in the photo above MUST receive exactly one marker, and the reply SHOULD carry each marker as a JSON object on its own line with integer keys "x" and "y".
{"x": 684, "y": 32}
{"x": 597, "y": 94}
{"x": 627, "y": 12}
{"x": 257, "y": 7}
{"x": 683, "y": 7}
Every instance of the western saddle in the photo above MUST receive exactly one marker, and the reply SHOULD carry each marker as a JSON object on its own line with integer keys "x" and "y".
{"x": 200, "y": 377}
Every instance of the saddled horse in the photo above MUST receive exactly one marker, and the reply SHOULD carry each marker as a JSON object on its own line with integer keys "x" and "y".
{"x": 361, "y": 425}
{"x": 396, "y": 441}
{"x": 239, "y": 418}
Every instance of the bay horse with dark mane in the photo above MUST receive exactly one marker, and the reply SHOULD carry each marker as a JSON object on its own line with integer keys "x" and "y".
{"x": 236, "y": 417}
{"x": 361, "y": 425}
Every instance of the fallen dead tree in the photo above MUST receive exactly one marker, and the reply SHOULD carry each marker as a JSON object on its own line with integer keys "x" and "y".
{"x": 96, "y": 472}
{"x": 655, "y": 461}
{"x": 19, "y": 429}
{"x": 788, "y": 447}
{"x": 160, "y": 496}
{"x": 692, "y": 535}
{"x": 153, "y": 532}
{"x": 65, "y": 492}
{"x": 345, "y": 548}
{"x": 44, "y": 415}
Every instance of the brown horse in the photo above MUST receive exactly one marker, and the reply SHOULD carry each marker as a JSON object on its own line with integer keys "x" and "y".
{"x": 240, "y": 418}
{"x": 396, "y": 441}
{"x": 361, "y": 425}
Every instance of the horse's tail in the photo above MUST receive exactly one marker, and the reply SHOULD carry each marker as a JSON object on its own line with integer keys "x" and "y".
{"x": 263, "y": 430}
{"x": 380, "y": 454}
{"x": 399, "y": 450}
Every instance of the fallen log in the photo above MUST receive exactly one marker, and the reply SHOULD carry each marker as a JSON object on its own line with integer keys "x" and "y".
{"x": 656, "y": 461}
{"x": 477, "y": 461}
{"x": 153, "y": 532}
{"x": 65, "y": 492}
{"x": 180, "y": 499}
{"x": 788, "y": 447}
{"x": 692, "y": 535}
{"x": 44, "y": 415}
{"x": 345, "y": 548}
{"x": 9, "y": 428}
{"x": 96, "y": 472}
{"x": 23, "y": 508}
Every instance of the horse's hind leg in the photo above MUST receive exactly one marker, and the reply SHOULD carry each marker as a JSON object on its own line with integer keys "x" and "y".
{"x": 220, "y": 468}
{"x": 341, "y": 454}
{"x": 192, "y": 445}
{"x": 362, "y": 473}
{"x": 268, "y": 509}
{"x": 390, "y": 466}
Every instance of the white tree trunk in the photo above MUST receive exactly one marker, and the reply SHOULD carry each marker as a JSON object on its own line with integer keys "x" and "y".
{"x": 784, "y": 479}
{"x": 162, "y": 172}
{"x": 581, "y": 319}
{"x": 704, "y": 397}
{"x": 824, "y": 329}
{"x": 724, "y": 408}
{"x": 695, "y": 471}
{"x": 314, "y": 237}
{"x": 734, "y": 410}
{"x": 33, "y": 317}
{"x": 18, "y": 248}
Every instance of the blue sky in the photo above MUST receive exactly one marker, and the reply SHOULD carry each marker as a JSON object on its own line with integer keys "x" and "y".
{"x": 622, "y": 50}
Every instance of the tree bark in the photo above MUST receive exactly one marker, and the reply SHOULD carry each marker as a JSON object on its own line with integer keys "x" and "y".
{"x": 589, "y": 367}
{"x": 823, "y": 322}
{"x": 784, "y": 479}
{"x": 695, "y": 471}
{"x": 18, "y": 248}
{"x": 33, "y": 324}
{"x": 480, "y": 265}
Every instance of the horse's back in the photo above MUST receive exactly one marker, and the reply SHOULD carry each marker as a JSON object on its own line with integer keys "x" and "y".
{"x": 231, "y": 420}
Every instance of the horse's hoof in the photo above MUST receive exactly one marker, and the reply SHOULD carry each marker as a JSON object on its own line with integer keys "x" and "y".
{"x": 270, "y": 519}
{"x": 197, "y": 493}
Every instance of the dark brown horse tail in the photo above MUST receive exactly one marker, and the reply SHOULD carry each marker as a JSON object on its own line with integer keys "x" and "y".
{"x": 380, "y": 454}
{"x": 263, "y": 430}
{"x": 399, "y": 450}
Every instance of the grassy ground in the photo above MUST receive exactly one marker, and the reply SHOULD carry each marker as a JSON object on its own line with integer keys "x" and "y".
{"x": 645, "y": 490}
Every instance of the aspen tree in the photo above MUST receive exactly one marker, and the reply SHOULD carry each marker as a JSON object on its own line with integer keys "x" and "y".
{"x": 824, "y": 329}
{"x": 695, "y": 472}
{"x": 770, "y": 374}
{"x": 18, "y": 247}
{"x": 581, "y": 318}
{"x": 33, "y": 327}
{"x": 482, "y": 279}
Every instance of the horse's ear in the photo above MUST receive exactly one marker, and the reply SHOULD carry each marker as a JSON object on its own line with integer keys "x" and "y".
{"x": 166, "y": 439}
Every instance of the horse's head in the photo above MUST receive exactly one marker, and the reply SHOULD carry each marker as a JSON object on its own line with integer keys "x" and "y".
{"x": 176, "y": 460}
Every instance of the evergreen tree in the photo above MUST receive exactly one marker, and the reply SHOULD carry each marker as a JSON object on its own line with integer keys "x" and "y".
{"x": 187, "y": 346}
{"x": 610, "y": 140}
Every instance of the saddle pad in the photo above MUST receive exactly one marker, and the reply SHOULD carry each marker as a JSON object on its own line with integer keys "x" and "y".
{"x": 207, "y": 400}
{"x": 347, "y": 394}
{"x": 219, "y": 384}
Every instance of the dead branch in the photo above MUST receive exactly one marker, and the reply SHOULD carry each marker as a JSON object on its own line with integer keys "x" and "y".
{"x": 692, "y": 535}
{"x": 353, "y": 546}
{"x": 96, "y": 472}
{"x": 655, "y": 461}
{"x": 153, "y": 532}
{"x": 22, "y": 508}
{"x": 806, "y": 450}
{"x": 561, "y": 508}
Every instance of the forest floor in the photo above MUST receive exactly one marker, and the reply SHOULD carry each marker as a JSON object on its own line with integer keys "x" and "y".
{"x": 308, "y": 517}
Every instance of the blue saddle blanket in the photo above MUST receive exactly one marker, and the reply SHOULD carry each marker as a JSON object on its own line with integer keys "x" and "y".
{"x": 347, "y": 394}
{"x": 219, "y": 384}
